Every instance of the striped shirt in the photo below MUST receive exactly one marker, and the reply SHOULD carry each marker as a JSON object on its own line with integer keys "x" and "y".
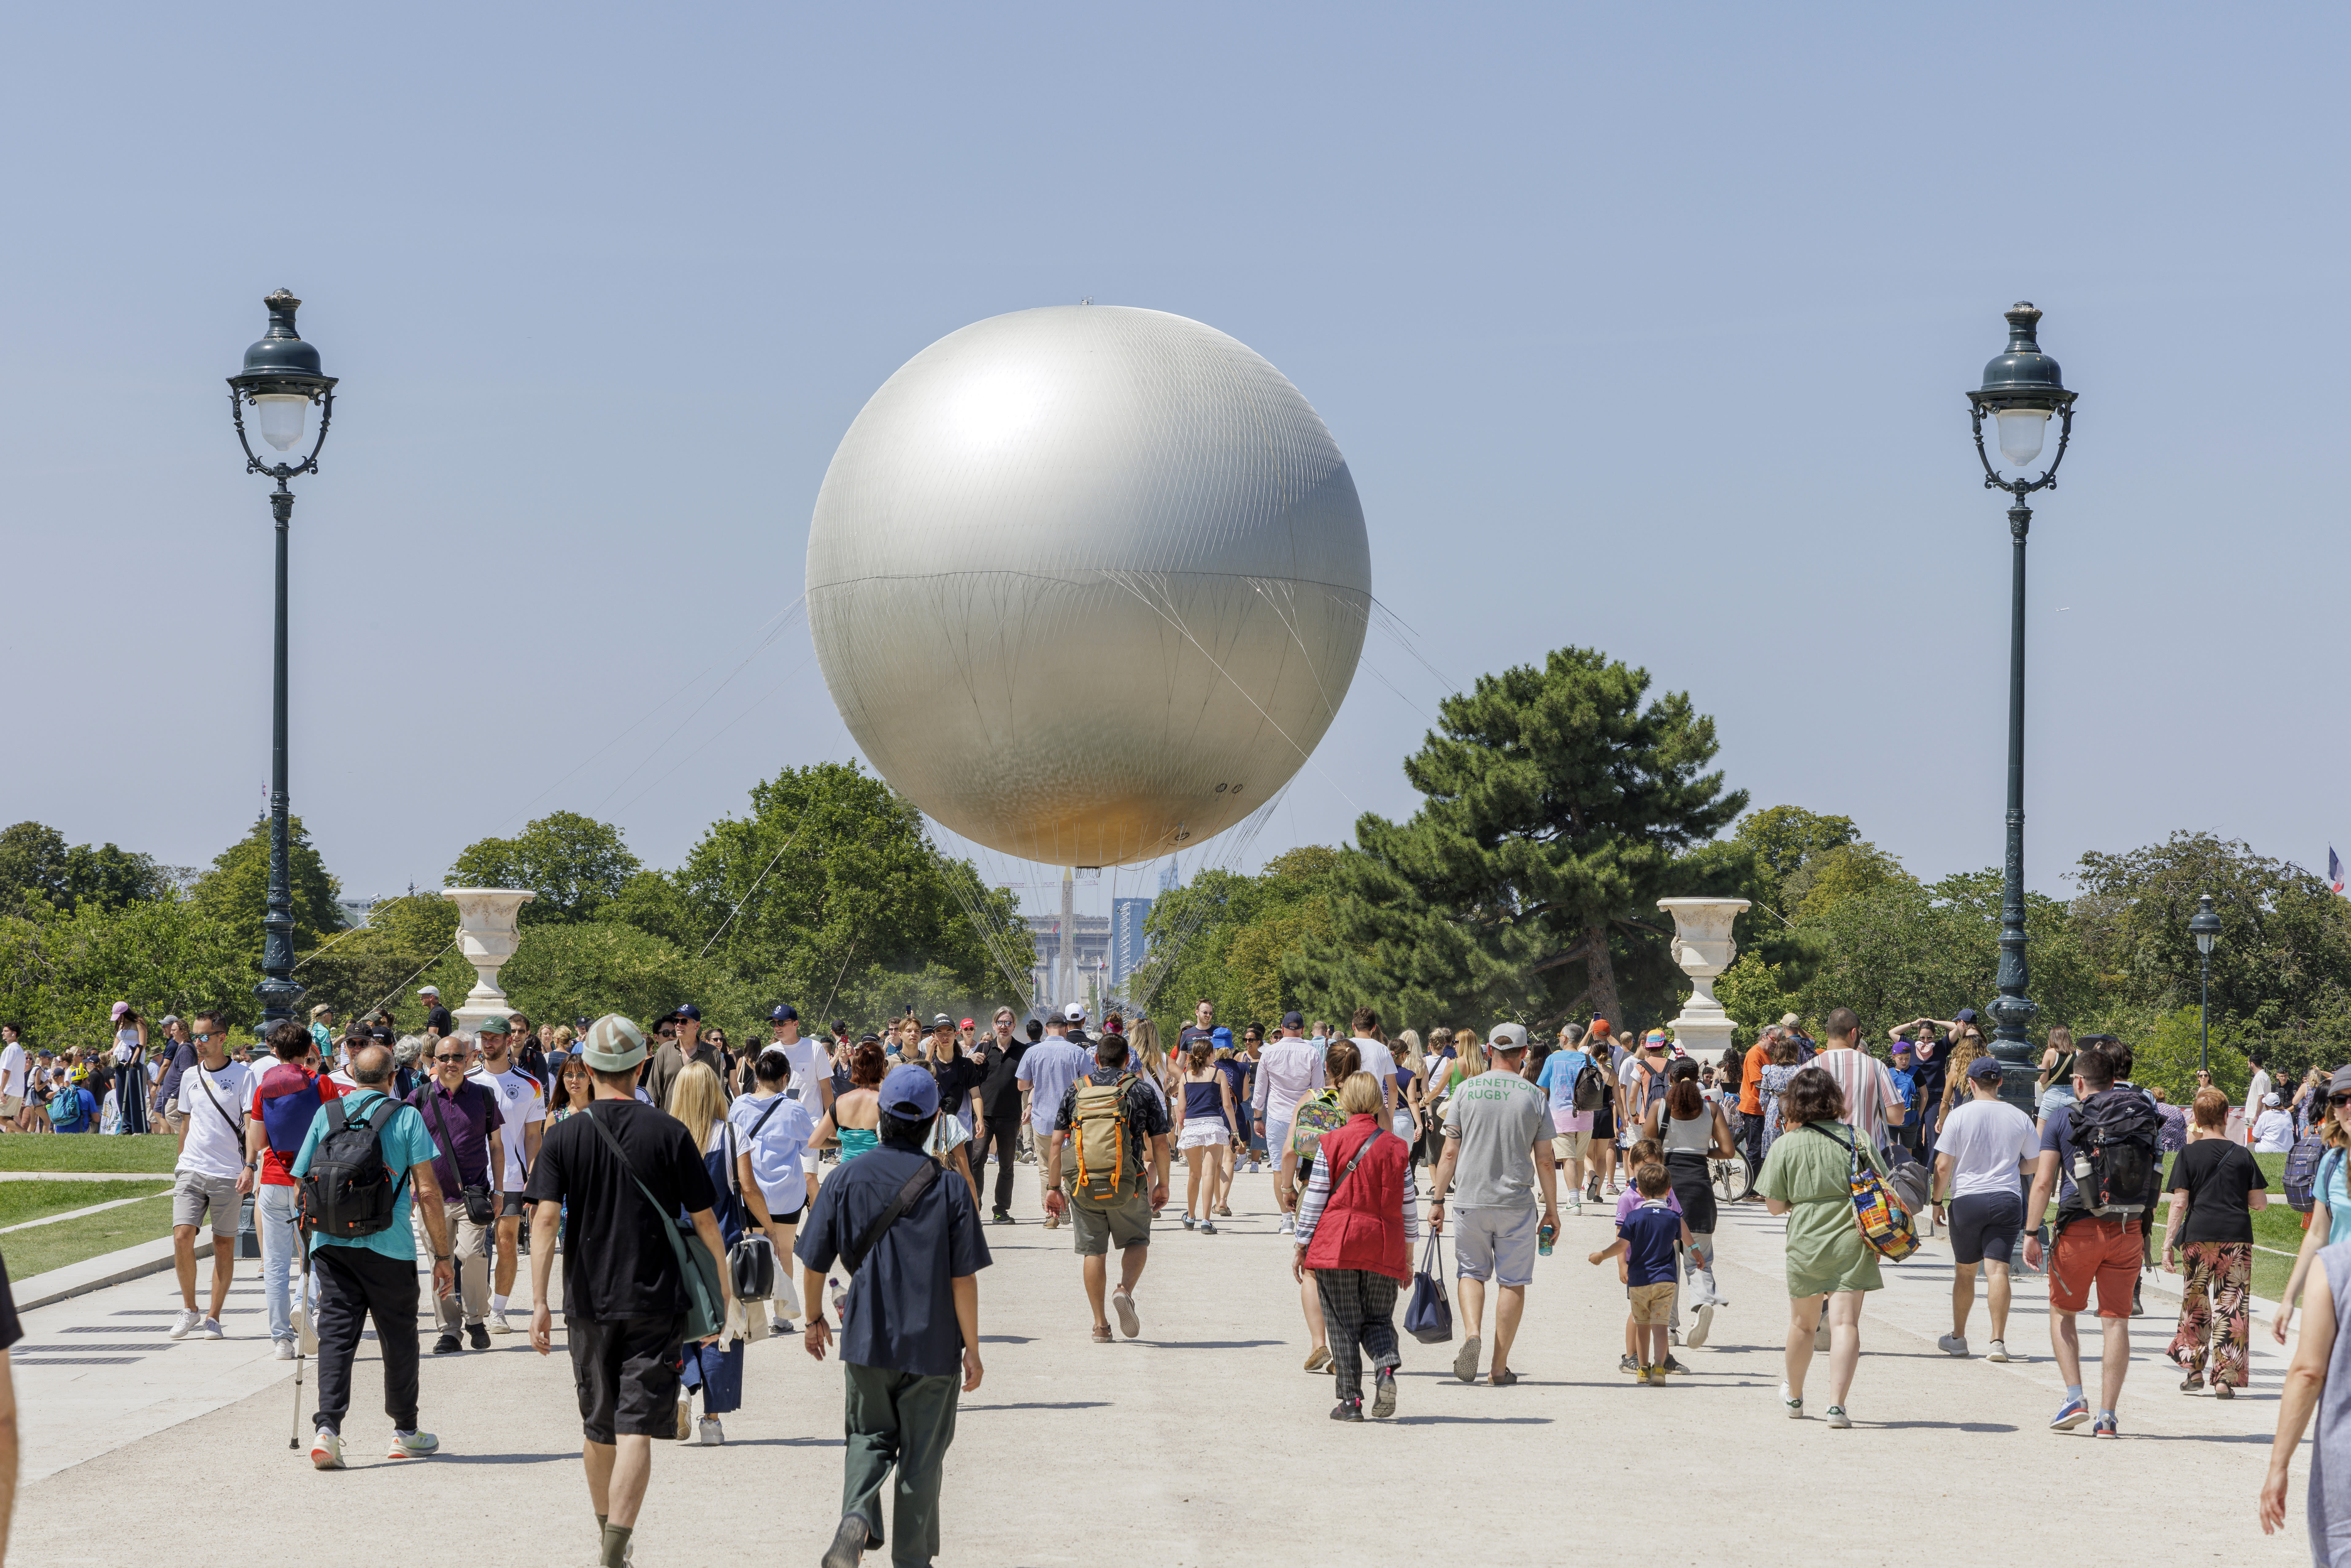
{"x": 1868, "y": 1090}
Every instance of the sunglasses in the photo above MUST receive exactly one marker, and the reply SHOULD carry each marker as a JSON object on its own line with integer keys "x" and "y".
{"x": 2338, "y": 1101}
{"x": 448, "y": 1058}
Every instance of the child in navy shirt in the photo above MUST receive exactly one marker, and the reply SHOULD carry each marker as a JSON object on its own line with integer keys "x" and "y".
{"x": 1647, "y": 1239}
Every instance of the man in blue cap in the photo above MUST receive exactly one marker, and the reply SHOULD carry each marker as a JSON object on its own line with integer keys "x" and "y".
{"x": 909, "y": 1325}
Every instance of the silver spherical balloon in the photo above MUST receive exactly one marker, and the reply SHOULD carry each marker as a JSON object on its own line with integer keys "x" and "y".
{"x": 1088, "y": 583}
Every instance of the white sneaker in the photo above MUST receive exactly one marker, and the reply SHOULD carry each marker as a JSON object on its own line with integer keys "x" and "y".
{"x": 327, "y": 1450}
{"x": 187, "y": 1322}
{"x": 1952, "y": 1345}
{"x": 1696, "y": 1338}
{"x": 1838, "y": 1418}
{"x": 212, "y": 1329}
{"x": 413, "y": 1446}
{"x": 284, "y": 1351}
{"x": 1998, "y": 1351}
{"x": 708, "y": 1434}
{"x": 499, "y": 1323}
{"x": 1288, "y": 1227}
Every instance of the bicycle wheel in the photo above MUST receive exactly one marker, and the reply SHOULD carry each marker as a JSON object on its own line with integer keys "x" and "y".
{"x": 1730, "y": 1179}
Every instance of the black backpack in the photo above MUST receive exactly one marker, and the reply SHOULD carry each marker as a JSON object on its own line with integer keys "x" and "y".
{"x": 2114, "y": 1158}
{"x": 1589, "y": 1087}
{"x": 350, "y": 1190}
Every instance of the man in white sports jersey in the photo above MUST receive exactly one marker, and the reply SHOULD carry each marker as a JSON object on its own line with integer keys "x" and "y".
{"x": 812, "y": 1072}
{"x": 522, "y": 1103}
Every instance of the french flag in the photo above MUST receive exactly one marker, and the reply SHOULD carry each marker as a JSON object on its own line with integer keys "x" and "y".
{"x": 2333, "y": 868}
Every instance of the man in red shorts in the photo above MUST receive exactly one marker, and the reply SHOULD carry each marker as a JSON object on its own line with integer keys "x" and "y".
{"x": 2099, "y": 1223}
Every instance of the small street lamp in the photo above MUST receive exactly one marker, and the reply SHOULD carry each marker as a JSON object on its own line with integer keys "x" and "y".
{"x": 2021, "y": 389}
{"x": 280, "y": 380}
{"x": 2205, "y": 925}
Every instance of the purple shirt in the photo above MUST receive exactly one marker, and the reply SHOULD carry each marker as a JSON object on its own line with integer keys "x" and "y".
{"x": 469, "y": 1117}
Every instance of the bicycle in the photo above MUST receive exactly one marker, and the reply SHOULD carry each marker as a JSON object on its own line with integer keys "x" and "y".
{"x": 1730, "y": 1178}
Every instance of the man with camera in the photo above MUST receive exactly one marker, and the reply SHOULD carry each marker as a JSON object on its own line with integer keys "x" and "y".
{"x": 462, "y": 1114}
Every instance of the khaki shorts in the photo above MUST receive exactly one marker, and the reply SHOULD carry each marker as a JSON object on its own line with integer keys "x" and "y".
{"x": 194, "y": 1198}
{"x": 1569, "y": 1145}
{"x": 1653, "y": 1306}
{"x": 11, "y": 1105}
{"x": 1102, "y": 1226}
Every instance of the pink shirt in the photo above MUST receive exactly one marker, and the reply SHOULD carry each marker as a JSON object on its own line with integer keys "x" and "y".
{"x": 1868, "y": 1090}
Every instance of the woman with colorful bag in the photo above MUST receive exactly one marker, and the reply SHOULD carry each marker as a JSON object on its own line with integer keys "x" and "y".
{"x": 1816, "y": 1175}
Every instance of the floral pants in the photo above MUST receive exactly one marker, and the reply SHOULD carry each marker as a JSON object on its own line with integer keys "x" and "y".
{"x": 2219, "y": 1280}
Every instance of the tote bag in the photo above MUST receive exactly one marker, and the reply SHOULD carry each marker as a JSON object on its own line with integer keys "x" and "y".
{"x": 1429, "y": 1318}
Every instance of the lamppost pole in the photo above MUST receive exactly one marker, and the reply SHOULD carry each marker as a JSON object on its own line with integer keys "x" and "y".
{"x": 2205, "y": 927}
{"x": 2022, "y": 388}
{"x": 280, "y": 380}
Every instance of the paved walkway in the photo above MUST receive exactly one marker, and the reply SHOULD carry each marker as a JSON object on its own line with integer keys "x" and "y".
{"x": 1201, "y": 1442}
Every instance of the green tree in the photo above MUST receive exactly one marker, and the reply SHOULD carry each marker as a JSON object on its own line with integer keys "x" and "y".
{"x": 565, "y": 971}
{"x": 1558, "y": 807}
{"x": 830, "y": 884}
{"x": 383, "y": 962}
{"x": 2283, "y": 963}
{"x": 1246, "y": 935}
{"x": 575, "y": 863}
{"x": 235, "y": 892}
{"x": 37, "y": 865}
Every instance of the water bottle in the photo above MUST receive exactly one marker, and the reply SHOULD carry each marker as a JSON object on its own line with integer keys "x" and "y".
{"x": 1544, "y": 1236}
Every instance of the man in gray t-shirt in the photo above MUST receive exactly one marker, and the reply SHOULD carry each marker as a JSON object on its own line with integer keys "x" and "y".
{"x": 1497, "y": 1140}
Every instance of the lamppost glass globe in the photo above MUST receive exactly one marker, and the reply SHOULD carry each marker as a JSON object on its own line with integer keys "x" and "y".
{"x": 283, "y": 415}
{"x": 2021, "y": 432}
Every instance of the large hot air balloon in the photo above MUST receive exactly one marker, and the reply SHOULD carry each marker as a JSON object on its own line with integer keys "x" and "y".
{"x": 1088, "y": 583}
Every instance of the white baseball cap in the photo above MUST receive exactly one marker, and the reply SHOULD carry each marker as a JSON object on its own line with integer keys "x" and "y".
{"x": 1075, "y": 1012}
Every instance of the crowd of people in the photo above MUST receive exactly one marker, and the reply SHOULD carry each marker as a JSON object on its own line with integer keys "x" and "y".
{"x": 674, "y": 1174}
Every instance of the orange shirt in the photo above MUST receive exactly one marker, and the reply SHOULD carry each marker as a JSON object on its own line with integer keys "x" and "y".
{"x": 1750, "y": 1081}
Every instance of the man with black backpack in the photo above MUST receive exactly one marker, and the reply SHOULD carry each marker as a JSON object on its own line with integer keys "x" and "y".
{"x": 909, "y": 1325}
{"x": 2100, "y": 1158}
{"x": 365, "y": 1154}
{"x": 1112, "y": 1124}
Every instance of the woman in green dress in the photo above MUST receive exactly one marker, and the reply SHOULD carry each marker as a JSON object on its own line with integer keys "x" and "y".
{"x": 1807, "y": 1177}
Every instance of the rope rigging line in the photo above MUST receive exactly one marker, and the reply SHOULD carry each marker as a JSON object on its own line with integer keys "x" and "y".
{"x": 763, "y": 637}
{"x": 745, "y": 899}
{"x": 656, "y": 748}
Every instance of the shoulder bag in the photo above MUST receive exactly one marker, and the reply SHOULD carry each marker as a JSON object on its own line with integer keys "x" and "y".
{"x": 1886, "y": 1225}
{"x": 706, "y": 1301}
{"x": 481, "y": 1208}
{"x": 751, "y": 1261}
{"x": 1429, "y": 1317}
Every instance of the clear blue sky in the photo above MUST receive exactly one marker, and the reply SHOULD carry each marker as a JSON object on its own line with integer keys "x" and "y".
{"x": 1644, "y": 328}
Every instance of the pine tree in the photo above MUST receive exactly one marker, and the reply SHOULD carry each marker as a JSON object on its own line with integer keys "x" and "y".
{"x": 1558, "y": 809}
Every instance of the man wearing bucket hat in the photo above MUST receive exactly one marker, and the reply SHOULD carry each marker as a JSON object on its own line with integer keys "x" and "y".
{"x": 909, "y": 1324}
{"x": 612, "y": 1178}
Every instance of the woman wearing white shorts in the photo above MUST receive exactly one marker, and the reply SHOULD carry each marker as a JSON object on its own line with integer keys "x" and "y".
{"x": 1205, "y": 1119}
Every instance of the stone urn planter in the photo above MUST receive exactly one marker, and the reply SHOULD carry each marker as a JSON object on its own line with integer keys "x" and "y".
{"x": 1703, "y": 948}
{"x": 487, "y": 935}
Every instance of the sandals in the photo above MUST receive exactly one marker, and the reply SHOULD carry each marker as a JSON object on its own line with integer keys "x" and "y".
{"x": 1102, "y": 1335}
{"x": 1501, "y": 1379}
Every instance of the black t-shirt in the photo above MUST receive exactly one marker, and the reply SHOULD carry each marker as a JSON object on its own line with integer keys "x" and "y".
{"x": 616, "y": 1262}
{"x": 2216, "y": 1174}
{"x": 11, "y": 1329}
{"x": 439, "y": 1018}
{"x": 1000, "y": 1085}
{"x": 956, "y": 1079}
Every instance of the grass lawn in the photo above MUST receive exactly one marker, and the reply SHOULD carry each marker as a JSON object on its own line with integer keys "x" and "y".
{"x": 23, "y": 1200}
{"x": 154, "y": 1152}
{"x": 29, "y": 1252}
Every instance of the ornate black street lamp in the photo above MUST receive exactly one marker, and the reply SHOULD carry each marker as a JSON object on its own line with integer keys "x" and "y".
{"x": 281, "y": 381}
{"x": 2020, "y": 389}
{"x": 2205, "y": 927}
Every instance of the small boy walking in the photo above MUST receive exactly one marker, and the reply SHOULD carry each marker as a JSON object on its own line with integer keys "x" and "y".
{"x": 1647, "y": 1239}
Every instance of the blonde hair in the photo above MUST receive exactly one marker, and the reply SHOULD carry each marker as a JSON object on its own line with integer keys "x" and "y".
{"x": 1142, "y": 1046}
{"x": 1408, "y": 1053}
{"x": 1360, "y": 1095}
{"x": 564, "y": 1036}
{"x": 1970, "y": 1047}
{"x": 1472, "y": 1055}
{"x": 696, "y": 1100}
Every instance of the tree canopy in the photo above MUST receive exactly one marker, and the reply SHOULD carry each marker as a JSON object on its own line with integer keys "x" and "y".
{"x": 574, "y": 863}
{"x": 1559, "y": 805}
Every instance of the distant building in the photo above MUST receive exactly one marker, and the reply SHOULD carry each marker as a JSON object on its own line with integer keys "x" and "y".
{"x": 1091, "y": 939}
{"x": 356, "y": 911}
{"x": 1128, "y": 943}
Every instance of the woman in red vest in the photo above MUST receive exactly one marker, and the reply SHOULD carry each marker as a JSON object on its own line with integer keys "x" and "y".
{"x": 1356, "y": 1226}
